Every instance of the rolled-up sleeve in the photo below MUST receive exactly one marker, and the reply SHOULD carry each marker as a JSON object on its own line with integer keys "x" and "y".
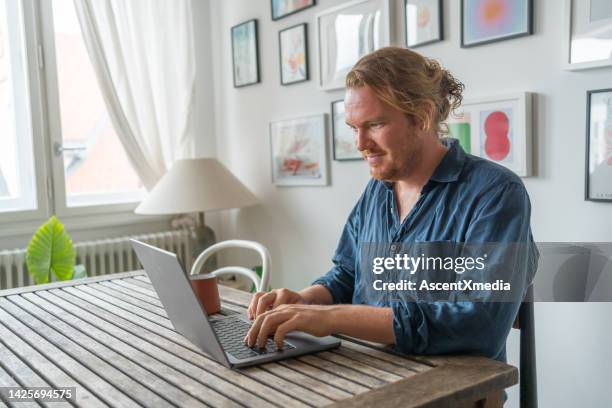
{"x": 502, "y": 216}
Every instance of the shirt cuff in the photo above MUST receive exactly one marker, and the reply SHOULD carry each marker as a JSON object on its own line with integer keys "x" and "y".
{"x": 406, "y": 318}
{"x": 329, "y": 286}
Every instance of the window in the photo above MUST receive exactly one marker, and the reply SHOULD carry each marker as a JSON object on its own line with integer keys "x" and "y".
{"x": 96, "y": 167}
{"x": 17, "y": 188}
{"x": 46, "y": 76}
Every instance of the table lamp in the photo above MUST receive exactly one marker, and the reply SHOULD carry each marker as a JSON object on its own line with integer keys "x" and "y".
{"x": 196, "y": 186}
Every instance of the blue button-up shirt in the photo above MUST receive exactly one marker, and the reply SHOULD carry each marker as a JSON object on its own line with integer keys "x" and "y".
{"x": 468, "y": 199}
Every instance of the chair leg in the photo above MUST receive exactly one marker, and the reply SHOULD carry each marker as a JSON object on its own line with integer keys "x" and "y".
{"x": 528, "y": 380}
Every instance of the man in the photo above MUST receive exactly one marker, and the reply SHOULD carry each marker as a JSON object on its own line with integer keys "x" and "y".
{"x": 423, "y": 189}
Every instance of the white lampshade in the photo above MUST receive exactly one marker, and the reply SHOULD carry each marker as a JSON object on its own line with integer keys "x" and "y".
{"x": 196, "y": 185}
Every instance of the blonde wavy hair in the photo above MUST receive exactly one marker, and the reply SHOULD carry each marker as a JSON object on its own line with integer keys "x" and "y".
{"x": 411, "y": 83}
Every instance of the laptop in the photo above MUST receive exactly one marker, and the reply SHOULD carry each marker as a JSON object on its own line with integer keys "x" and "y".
{"x": 222, "y": 337}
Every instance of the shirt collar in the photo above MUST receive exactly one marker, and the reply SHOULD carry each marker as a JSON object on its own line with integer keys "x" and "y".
{"x": 450, "y": 167}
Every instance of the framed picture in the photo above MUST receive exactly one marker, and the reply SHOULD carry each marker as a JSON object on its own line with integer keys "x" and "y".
{"x": 293, "y": 50}
{"x": 498, "y": 129}
{"x": 598, "y": 183}
{"x": 284, "y": 8}
{"x": 589, "y": 34}
{"x": 346, "y": 33}
{"x": 423, "y": 22}
{"x": 487, "y": 21}
{"x": 343, "y": 137}
{"x": 245, "y": 54}
{"x": 298, "y": 151}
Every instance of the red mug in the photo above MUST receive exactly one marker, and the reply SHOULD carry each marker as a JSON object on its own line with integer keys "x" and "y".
{"x": 205, "y": 287}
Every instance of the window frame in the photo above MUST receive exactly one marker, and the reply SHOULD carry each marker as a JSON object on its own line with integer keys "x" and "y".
{"x": 34, "y": 90}
{"x": 60, "y": 197}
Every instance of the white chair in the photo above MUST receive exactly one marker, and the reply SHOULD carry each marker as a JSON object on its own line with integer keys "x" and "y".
{"x": 260, "y": 284}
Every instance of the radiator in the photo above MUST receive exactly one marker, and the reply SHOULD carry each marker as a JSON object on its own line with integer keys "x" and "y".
{"x": 99, "y": 257}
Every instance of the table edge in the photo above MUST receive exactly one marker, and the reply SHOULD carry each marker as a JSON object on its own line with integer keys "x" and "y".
{"x": 75, "y": 282}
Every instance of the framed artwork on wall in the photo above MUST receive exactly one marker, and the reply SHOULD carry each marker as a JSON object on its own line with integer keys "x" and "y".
{"x": 284, "y": 8}
{"x": 298, "y": 151}
{"x": 423, "y": 22}
{"x": 346, "y": 33}
{"x": 589, "y": 34}
{"x": 245, "y": 54}
{"x": 343, "y": 137}
{"x": 487, "y": 21}
{"x": 498, "y": 129}
{"x": 598, "y": 172}
{"x": 293, "y": 50}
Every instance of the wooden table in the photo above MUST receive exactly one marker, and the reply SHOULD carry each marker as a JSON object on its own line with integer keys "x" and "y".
{"x": 110, "y": 338}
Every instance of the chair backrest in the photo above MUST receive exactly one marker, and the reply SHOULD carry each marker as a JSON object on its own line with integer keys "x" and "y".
{"x": 525, "y": 322}
{"x": 260, "y": 284}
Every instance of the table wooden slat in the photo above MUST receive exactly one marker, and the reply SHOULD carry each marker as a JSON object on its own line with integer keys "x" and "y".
{"x": 111, "y": 338}
{"x": 181, "y": 373}
{"x": 153, "y": 317}
{"x": 348, "y": 373}
{"x": 369, "y": 361}
{"x": 338, "y": 362}
{"x": 44, "y": 367}
{"x": 386, "y": 356}
{"x": 7, "y": 380}
{"x": 127, "y": 283}
{"x": 129, "y": 299}
{"x": 147, "y": 286}
{"x": 142, "y": 278}
{"x": 137, "y": 295}
{"x": 18, "y": 369}
{"x": 143, "y": 314}
{"x": 358, "y": 366}
{"x": 297, "y": 391}
{"x": 133, "y": 333}
{"x": 140, "y": 381}
{"x": 314, "y": 372}
{"x": 313, "y": 384}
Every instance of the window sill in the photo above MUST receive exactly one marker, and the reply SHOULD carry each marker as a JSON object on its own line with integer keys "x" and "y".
{"x": 76, "y": 223}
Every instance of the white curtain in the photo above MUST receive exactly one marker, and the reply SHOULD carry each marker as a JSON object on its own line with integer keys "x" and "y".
{"x": 143, "y": 55}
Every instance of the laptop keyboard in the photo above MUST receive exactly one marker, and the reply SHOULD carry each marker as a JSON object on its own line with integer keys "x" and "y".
{"x": 231, "y": 333}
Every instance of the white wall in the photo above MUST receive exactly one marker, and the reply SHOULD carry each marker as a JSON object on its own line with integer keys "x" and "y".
{"x": 301, "y": 225}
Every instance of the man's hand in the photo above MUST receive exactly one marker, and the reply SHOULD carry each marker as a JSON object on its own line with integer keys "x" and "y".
{"x": 263, "y": 301}
{"x": 313, "y": 319}
{"x": 365, "y": 322}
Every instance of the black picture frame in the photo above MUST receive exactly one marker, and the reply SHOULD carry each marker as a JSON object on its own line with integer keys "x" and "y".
{"x": 440, "y": 31}
{"x": 256, "y": 43}
{"x": 306, "y": 56}
{"x": 280, "y": 16}
{"x": 494, "y": 40}
{"x": 334, "y": 134}
{"x": 587, "y": 179}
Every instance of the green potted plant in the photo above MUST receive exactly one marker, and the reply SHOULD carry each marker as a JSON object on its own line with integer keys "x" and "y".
{"x": 51, "y": 252}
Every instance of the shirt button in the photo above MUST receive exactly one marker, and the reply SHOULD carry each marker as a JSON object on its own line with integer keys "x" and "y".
{"x": 393, "y": 247}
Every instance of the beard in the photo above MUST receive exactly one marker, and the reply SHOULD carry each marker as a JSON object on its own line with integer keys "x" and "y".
{"x": 399, "y": 164}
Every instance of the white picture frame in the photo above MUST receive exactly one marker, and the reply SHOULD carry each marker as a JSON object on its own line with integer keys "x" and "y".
{"x": 423, "y": 22}
{"x": 298, "y": 151}
{"x": 577, "y": 30}
{"x": 343, "y": 137}
{"x": 498, "y": 128}
{"x": 376, "y": 33}
{"x": 598, "y": 161}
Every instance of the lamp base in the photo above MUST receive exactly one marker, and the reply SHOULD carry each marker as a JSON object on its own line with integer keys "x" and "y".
{"x": 202, "y": 237}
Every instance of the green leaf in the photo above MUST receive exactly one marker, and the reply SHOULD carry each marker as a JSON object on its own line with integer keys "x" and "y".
{"x": 79, "y": 272}
{"x": 51, "y": 251}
